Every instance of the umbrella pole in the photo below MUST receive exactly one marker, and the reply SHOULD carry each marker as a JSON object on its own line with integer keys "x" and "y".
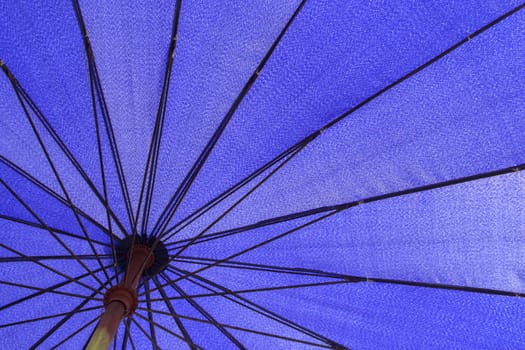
{"x": 121, "y": 300}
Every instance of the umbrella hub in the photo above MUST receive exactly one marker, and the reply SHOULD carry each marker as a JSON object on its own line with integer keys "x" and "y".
{"x": 157, "y": 260}
{"x": 143, "y": 251}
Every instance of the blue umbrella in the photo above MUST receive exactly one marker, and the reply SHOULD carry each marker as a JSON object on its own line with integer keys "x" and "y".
{"x": 262, "y": 174}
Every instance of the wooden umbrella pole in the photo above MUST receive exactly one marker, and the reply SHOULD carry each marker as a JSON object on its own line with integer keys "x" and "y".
{"x": 120, "y": 301}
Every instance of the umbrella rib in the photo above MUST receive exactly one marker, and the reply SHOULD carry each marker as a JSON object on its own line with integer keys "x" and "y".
{"x": 44, "y": 290}
{"x": 104, "y": 111}
{"x": 90, "y": 272}
{"x": 203, "y": 312}
{"x": 242, "y": 329}
{"x": 153, "y": 154}
{"x": 177, "y": 198}
{"x": 263, "y": 223}
{"x": 62, "y": 186}
{"x": 260, "y": 267}
{"x": 65, "y": 319}
{"x": 19, "y": 90}
{"x": 86, "y": 325}
{"x": 50, "y": 289}
{"x": 150, "y": 318}
{"x": 150, "y": 171}
{"x": 239, "y": 201}
{"x": 102, "y": 172}
{"x": 43, "y": 318}
{"x": 266, "y": 289}
{"x": 256, "y": 267}
{"x": 51, "y": 232}
{"x": 246, "y": 303}
{"x": 54, "y": 229}
{"x": 437, "y": 286}
{"x": 323, "y": 274}
{"x": 140, "y": 327}
{"x": 127, "y": 335}
{"x": 344, "y": 279}
{"x": 177, "y": 320}
{"x": 344, "y": 206}
{"x": 52, "y": 193}
{"x": 425, "y": 188}
{"x": 113, "y": 146}
{"x": 372, "y": 97}
{"x": 235, "y": 231}
{"x": 49, "y": 257}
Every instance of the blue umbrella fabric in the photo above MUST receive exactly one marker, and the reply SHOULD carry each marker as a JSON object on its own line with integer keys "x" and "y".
{"x": 309, "y": 174}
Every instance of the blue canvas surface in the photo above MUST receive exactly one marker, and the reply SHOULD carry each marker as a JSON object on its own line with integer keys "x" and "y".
{"x": 321, "y": 174}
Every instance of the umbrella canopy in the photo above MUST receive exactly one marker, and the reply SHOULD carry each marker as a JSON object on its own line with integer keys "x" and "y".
{"x": 270, "y": 174}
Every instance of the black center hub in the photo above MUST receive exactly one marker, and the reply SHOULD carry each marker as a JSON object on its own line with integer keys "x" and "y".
{"x": 159, "y": 252}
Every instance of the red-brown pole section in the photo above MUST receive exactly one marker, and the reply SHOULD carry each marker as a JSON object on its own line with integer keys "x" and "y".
{"x": 121, "y": 300}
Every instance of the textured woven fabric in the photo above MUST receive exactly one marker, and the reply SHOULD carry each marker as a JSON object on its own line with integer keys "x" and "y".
{"x": 326, "y": 173}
